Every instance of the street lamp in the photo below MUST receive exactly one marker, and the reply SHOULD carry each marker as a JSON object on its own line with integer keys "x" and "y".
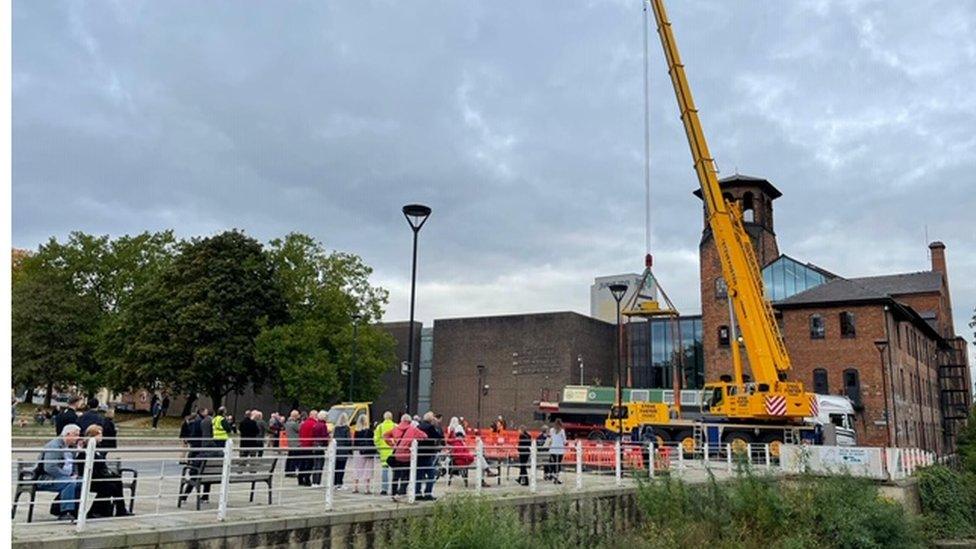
{"x": 416, "y": 215}
{"x": 482, "y": 390}
{"x": 515, "y": 379}
{"x": 579, "y": 359}
{"x": 355, "y": 335}
{"x": 618, "y": 291}
{"x": 882, "y": 345}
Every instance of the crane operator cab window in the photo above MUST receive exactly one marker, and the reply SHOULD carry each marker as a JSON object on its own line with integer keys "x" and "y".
{"x": 618, "y": 412}
{"x": 714, "y": 398}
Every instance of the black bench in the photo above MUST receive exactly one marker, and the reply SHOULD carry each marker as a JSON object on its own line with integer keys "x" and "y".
{"x": 27, "y": 484}
{"x": 203, "y": 472}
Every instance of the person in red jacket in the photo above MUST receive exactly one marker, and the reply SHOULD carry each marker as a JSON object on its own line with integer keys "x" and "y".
{"x": 306, "y": 441}
{"x": 320, "y": 434}
{"x": 399, "y": 438}
{"x": 462, "y": 457}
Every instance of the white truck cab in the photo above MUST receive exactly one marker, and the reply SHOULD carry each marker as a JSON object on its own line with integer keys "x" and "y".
{"x": 836, "y": 418}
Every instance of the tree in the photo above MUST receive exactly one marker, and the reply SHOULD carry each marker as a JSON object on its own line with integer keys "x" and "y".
{"x": 325, "y": 293}
{"x": 193, "y": 326}
{"x": 53, "y": 334}
{"x": 101, "y": 271}
{"x": 302, "y": 369}
{"x": 966, "y": 443}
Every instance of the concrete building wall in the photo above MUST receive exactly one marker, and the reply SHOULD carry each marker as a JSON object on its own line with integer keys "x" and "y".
{"x": 526, "y": 358}
{"x": 602, "y": 304}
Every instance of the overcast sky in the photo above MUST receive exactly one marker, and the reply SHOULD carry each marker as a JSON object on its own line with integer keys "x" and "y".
{"x": 519, "y": 123}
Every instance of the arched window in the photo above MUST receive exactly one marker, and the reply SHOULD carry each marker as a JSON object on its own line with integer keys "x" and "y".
{"x": 852, "y": 386}
{"x": 723, "y": 336}
{"x": 820, "y": 385}
{"x": 816, "y": 327}
{"x": 721, "y": 288}
{"x": 748, "y": 208}
{"x": 847, "y": 328}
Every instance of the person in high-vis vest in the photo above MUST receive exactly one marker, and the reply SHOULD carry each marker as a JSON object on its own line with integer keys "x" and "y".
{"x": 220, "y": 425}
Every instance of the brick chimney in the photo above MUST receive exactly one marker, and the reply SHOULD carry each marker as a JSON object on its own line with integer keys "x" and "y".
{"x": 937, "y": 251}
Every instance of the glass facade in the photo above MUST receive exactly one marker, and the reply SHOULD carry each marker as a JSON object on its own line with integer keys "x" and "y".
{"x": 785, "y": 277}
{"x": 653, "y": 356}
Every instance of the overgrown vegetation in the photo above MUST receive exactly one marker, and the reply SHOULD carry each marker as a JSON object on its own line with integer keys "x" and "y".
{"x": 948, "y": 496}
{"x": 747, "y": 512}
{"x": 948, "y": 500}
{"x": 753, "y": 511}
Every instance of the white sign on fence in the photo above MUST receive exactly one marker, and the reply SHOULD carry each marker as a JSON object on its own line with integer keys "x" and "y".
{"x": 852, "y": 460}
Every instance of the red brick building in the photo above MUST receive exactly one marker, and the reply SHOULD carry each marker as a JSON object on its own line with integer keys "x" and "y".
{"x": 886, "y": 342}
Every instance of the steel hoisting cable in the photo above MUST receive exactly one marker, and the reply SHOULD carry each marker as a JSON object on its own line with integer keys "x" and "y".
{"x": 647, "y": 143}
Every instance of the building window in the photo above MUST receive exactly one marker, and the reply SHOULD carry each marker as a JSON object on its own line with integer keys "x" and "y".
{"x": 748, "y": 208}
{"x": 817, "y": 329}
{"x": 721, "y": 288}
{"x": 723, "y": 336}
{"x": 852, "y": 386}
{"x": 820, "y": 382}
{"x": 847, "y": 324}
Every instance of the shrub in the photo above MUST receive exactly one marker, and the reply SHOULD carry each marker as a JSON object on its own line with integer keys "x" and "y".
{"x": 948, "y": 500}
{"x": 467, "y": 522}
{"x": 752, "y": 511}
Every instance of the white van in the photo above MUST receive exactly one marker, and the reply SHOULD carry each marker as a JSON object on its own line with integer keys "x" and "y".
{"x": 836, "y": 418}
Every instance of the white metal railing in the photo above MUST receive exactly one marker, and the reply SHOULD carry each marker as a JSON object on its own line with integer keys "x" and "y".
{"x": 225, "y": 479}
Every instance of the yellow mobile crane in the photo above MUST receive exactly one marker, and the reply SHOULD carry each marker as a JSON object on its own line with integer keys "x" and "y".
{"x": 770, "y": 406}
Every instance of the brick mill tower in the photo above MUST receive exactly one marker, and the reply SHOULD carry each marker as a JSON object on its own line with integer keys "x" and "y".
{"x": 755, "y": 196}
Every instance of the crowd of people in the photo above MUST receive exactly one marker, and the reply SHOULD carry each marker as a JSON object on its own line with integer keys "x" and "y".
{"x": 361, "y": 448}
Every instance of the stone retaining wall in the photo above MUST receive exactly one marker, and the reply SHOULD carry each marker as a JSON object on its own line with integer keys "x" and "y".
{"x": 598, "y": 510}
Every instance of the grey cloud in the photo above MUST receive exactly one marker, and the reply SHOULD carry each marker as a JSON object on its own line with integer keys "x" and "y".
{"x": 519, "y": 123}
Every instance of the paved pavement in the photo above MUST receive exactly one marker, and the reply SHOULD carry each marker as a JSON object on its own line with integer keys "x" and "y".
{"x": 156, "y": 508}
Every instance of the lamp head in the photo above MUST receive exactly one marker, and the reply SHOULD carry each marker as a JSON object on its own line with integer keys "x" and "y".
{"x": 416, "y": 215}
{"x": 618, "y": 291}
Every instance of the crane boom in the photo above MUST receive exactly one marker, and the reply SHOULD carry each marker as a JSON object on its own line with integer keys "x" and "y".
{"x": 764, "y": 345}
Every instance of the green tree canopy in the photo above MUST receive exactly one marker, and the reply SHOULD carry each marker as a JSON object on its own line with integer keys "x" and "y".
{"x": 314, "y": 358}
{"x": 54, "y": 332}
{"x": 91, "y": 273}
{"x": 193, "y": 326}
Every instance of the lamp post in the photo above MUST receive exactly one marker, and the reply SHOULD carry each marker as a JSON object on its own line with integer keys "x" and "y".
{"x": 416, "y": 215}
{"x": 579, "y": 360}
{"x": 515, "y": 379}
{"x": 482, "y": 390}
{"x": 618, "y": 291}
{"x": 882, "y": 345}
{"x": 355, "y": 336}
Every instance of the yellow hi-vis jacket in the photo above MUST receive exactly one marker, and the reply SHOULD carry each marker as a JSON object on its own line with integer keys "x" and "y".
{"x": 218, "y": 428}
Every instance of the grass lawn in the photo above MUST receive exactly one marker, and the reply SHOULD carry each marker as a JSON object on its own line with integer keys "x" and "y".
{"x": 129, "y": 424}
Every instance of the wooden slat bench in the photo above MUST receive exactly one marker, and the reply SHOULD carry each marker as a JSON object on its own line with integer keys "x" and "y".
{"x": 203, "y": 472}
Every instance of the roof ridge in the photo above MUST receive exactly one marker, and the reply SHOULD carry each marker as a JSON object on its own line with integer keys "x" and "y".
{"x": 910, "y": 273}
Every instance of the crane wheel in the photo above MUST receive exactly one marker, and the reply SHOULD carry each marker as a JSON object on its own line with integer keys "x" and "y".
{"x": 739, "y": 441}
{"x": 686, "y": 440}
{"x": 775, "y": 443}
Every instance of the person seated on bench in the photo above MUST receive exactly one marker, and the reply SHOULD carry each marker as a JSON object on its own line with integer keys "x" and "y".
{"x": 56, "y": 471}
{"x": 105, "y": 483}
{"x": 462, "y": 457}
